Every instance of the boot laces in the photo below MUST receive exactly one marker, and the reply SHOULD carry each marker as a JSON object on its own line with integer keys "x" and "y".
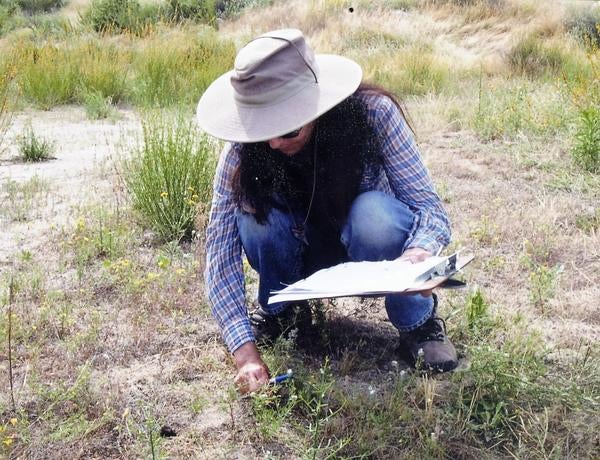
{"x": 433, "y": 329}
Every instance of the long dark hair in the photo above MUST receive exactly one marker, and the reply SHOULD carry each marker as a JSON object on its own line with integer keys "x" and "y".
{"x": 344, "y": 144}
{"x": 373, "y": 88}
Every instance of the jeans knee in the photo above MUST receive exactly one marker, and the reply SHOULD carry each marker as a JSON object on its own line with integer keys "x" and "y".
{"x": 269, "y": 241}
{"x": 276, "y": 228}
{"x": 377, "y": 227}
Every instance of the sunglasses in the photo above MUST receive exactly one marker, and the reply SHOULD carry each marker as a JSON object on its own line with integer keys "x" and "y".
{"x": 291, "y": 134}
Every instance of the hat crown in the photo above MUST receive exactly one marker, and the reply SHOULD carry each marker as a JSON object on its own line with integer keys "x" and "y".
{"x": 272, "y": 67}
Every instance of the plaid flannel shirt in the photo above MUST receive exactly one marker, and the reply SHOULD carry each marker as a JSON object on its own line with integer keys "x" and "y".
{"x": 403, "y": 175}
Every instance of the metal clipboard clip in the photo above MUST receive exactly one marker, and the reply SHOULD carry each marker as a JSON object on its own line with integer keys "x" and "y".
{"x": 444, "y": 269}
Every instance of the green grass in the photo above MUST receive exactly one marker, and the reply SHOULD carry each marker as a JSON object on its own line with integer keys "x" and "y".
{"x": 39, "y": 6}
{"x": 180, "y": 73}
{"x": 33, "y": 148}
{"x": 412, "y": 70}
{"x": 97, "y": 106}
{"x": 58, "y": 72}
{"x": 535, "y": 57}
{"x": 6, "y": 78}
{"x": 169, "y": 176}
{"x": 117, "y": 16}
{"x": 47, "y": 74}
{"x": 506, "y": 109}
{"x": 23, "y": 199}
{"x": 512, "y": 400}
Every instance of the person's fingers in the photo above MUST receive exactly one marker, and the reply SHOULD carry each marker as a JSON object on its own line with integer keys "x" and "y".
{"x": 251, "y": 379}
{"x": 427, "y": 293}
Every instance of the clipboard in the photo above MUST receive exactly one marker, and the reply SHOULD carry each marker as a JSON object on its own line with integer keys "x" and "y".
{"x": 440, "y": 276}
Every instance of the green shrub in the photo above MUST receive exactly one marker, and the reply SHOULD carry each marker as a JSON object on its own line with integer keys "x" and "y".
{"x": 585, "y": 25}
{"x": 104, "y": 70}
{"x": 531, "y": 57}
{"x": 116, "y": 16}
{"x": 8, "y": 12}
{"x": 48, "y": 75}
{"x": 197, "y": 10}
{"x": 44, "y": 25}
{"x": 33, "y": 148}
{"x": 39, "y": 6}
{"x": 509, "y": 109}
{"x": 233, "y": 8}
{"x": 97, "y": 106}
{"x": 414, "y": 71}
{"x": 179, "y": 73}
{"x": 169, "y": 176}
{"x": 6, "y": 78}
{"x": 586, "y": 148}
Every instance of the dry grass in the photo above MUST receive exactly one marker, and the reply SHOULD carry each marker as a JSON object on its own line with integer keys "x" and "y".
{"x": 113, "y": 340}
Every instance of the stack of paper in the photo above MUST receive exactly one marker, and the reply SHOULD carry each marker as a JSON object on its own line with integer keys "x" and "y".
{"x": 361, "y": 279}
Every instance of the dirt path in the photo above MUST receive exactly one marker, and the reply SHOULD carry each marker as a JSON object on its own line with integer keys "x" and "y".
{"x": 84, "y": 151}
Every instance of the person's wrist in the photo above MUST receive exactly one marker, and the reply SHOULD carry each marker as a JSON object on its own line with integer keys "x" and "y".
{"x": 245, "y": 354}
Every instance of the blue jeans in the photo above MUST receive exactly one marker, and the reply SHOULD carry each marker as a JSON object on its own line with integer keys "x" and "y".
{"x": 376, "y": 228}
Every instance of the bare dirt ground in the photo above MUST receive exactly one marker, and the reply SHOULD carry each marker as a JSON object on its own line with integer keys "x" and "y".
{"x": 498, "y": 203}
{"x": 83, "y": 152}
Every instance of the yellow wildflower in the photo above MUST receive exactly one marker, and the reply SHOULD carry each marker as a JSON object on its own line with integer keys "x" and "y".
{"x": 164, "y": 194}
{"x": 7, "y": 441}
{"x": 13, "y": 421}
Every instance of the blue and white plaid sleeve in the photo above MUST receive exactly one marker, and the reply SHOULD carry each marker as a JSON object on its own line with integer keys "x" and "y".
{"x": 408, "y": 177}
{"x": 224, "y": 273}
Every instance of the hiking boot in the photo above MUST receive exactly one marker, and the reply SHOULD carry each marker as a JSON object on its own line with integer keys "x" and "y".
{"x": 428, "y": 347}
{"x": 267, "y": 328}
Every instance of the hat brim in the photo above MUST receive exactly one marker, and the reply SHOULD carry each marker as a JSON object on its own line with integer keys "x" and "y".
{"x": 219, "y": 115}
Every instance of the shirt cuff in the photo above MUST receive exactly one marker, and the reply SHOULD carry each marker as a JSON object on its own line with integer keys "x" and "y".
{"x": 237, "y": 334}
{"x": 427, "y": 243}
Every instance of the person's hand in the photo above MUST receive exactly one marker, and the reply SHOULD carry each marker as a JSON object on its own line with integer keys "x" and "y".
{"x": 417, "y": 255}
{"x": 252, "y": 373}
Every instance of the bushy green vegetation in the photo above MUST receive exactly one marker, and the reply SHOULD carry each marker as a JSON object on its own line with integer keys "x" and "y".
{"x": 584, "y": 23}
{"x": 29, "y": 13}
{"x": 6, "y": 78}
{"x": 169, "y": 177}
{"x": 116, "y": 16}
{"x": 506, "y": 402}
{"x": 584, "y": 92}
{"x": 178, "y": 74}
{"x": 586, "y": 149}
{"x": 39, "y": 6}
{"x": 534, "y": 57}
{"x": 59, "y": 72}
{"x": 204, "y": 11}
{"x": 33, "y": 148}
{"x": 507, "y": 109}
{"x": 411, "y": 71}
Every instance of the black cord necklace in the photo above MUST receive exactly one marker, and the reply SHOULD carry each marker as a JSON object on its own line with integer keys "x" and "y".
{"x": 299, "y": 229}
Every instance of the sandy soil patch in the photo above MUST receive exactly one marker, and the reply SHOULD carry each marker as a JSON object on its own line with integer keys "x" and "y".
{"x": 84, "y": 151}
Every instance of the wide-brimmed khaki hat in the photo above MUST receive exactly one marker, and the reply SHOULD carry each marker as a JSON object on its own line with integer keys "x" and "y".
{"x": 277, "y": 85}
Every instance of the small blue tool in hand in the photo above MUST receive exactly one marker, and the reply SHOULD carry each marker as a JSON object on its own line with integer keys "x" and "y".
{"x": 281, "y": 378}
